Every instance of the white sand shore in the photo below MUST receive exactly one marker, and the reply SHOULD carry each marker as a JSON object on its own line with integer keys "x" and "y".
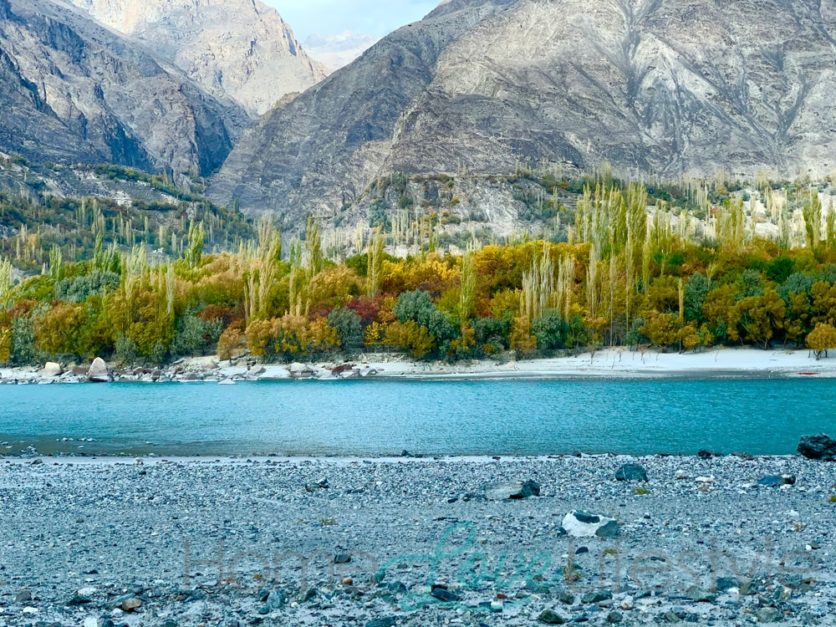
{"x": 610, "y": 363}
{"x": 624, "y": 363}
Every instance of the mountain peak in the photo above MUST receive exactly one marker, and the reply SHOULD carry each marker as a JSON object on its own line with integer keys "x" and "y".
{"x": 239, "y": 50}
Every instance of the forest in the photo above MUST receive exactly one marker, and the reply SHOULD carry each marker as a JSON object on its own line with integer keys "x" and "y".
{"x": 629, "y": 267}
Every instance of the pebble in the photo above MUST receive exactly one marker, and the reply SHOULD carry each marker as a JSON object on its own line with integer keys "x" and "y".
{"x": 279, "y": 552}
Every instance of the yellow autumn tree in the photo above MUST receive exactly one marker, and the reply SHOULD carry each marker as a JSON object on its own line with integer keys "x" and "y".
{"x": 822, "y": 339}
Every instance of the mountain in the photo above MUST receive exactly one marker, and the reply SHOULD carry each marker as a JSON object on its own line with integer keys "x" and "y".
{"x": 654, "y": 87}
{"x": 74, "y": 91}
{"x": 240, "y": 50}
{"x": 321, "y": 149}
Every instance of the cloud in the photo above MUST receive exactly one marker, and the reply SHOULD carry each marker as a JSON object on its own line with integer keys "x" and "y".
{"x": 336, "y": 51}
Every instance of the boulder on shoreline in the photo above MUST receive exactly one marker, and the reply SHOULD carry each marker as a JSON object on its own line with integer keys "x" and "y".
{"x": 52, "y": 370}
{"x": 98, "y": 372}
{"x": 818, "y": 447}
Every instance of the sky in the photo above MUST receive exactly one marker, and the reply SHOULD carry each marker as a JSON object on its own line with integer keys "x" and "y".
{"x": 336, "y": 31}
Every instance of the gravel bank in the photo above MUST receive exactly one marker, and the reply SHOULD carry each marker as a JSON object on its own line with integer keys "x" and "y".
{"x": 363, "y": 542}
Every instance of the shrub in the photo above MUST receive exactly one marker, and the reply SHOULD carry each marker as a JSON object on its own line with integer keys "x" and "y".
{"x": 125, "y": 350}
{"x": 196, "y": 336}
{"x": 229, "y": 342}
{"x": 23, "y": 351}
{"x": 78, "y": 289}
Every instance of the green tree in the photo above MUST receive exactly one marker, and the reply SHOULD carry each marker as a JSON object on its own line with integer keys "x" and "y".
{"x": 696, "y": 292}
{"x": 349, "y": 327}
{"x": 24, "y": 351}
{"x": 418, "y": 307}
{"x": 550, "y": 332}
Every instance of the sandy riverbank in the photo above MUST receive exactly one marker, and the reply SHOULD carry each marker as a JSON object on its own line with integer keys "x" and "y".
{"x": 351, "y": 542}
{"x": 610, "y": 363}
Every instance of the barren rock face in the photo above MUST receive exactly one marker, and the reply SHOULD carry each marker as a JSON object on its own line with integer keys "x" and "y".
{"x": 654, "y": 87}
{"x": 240, "y": 50}
{"x": 74, "y": 91}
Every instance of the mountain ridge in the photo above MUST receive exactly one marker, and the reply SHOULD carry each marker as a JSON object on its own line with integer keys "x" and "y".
{"x": 240, "y": 50}
{"x": 74, "y": 91}
{"x": 662, "y": 88}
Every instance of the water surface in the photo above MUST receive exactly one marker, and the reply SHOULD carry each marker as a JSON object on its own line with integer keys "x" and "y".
{"x": 431, "y": 418}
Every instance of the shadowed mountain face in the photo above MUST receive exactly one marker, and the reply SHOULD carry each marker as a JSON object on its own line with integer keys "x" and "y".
{"x": 73, "y": 91}
{"x": 239, "y": 50}
{"x": 655, "y": 87}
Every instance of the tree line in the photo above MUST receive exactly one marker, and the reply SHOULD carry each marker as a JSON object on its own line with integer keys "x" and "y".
{"x": 625, "y": 272}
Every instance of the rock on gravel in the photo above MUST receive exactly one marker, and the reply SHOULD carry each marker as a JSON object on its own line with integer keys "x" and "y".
{"x": 516, "y": 490}
{"x": 819, "y": 447}
{"x": 550, "y": 617}
{"x": 631, "y": 472}
{"x": 776, "y": 481}
{"x": 579, "y": 524}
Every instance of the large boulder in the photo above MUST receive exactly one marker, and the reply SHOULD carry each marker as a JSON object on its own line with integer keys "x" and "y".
{"x": 515, "y": 490}
{"x": 820, "y": 447}
{"x": 631, "y": 472}
{"x": 52, "y": 370}
{"x": 579, "y": 524}
{"x": 98, "y": 372}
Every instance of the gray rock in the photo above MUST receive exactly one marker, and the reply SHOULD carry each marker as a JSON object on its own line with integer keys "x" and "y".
{"x": 342, "y": 558}
{"x": 631, "y": 472}
{"x": 614, "y": 617}
{"x": 24, "y": 596}
{"x": 550, "y": 617}
{"x": 819, "y": 447}
{"x": 578, "y": 524}
{"x": 442, "y": 593}
{"x": 386, "y": 621}
{"x": 596, "y": 597}
{"x": 697, "y": 594}
{"x": 776, "y": 481}
{"x": 769, "y": 615}
{"x": 725, "y": 584}
{"x": 98, "y": 372}
{"x": 52, "y": 370}
{"x": 514, "y": 491}
{"x": 275, "y": 601}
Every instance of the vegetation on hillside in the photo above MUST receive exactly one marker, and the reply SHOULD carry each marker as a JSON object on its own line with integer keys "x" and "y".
{"x": 630, "y": 268}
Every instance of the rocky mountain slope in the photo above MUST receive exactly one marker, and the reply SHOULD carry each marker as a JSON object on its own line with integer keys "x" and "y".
{"x": 240, "y": 50}
{"x": 322, "y": 149}
{"x": 655, "y": 87}
{"x": 74, "y": 91}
